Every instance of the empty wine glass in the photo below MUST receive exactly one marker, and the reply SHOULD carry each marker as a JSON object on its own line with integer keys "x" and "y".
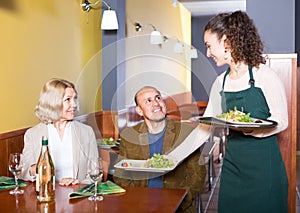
{"x": 95, "y": 171}
{"x": 15, "y": 166}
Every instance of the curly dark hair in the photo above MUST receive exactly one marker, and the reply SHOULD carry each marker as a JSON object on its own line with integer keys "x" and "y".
{"x": 242, "y": 36}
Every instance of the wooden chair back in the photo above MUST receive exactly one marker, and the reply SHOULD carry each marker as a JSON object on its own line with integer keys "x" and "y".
{"x": 104, "y": 154}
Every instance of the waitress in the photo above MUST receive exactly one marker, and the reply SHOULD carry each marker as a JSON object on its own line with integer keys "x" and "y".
{"x": 253, "y": 177}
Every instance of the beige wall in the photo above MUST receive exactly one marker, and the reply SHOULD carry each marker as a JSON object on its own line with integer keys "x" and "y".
{"x": 156, "y": 65}
{"x": 41, "y": 40}
{"x": 51, "y": 38}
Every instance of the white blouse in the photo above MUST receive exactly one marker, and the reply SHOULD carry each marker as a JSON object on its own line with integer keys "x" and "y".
{"x": 273, "y": 90}
{"x": 61, "y": 152}
{"x": 272, "y": 87}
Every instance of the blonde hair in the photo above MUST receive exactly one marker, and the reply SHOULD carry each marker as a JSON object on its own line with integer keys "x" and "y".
{"x": 50, "y": 105}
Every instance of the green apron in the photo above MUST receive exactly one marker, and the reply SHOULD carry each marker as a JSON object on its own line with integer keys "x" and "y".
{"x": 253, "y": 177}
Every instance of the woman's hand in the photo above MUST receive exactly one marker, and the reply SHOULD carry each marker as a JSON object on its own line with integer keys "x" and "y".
{"x": 68, "y": 181}
{"x": 32, "y": 170}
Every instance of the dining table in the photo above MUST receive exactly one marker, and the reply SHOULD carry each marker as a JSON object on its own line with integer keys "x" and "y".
{"x": 134, "y": 199}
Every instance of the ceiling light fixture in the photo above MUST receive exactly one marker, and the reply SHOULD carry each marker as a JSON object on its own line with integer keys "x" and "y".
{"x": 109, "y": 18}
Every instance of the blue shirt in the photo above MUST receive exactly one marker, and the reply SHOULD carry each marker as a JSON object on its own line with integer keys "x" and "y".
{"x": 155, "y": 144}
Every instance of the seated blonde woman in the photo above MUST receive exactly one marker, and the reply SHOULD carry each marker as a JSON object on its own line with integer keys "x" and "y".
{"x": 71, "y": 143}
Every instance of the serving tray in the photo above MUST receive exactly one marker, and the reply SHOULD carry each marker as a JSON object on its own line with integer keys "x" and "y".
{"x": 258, "y": 123}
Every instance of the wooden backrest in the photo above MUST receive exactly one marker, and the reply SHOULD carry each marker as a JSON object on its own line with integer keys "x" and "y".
{"x": 104, "y": 154}
{"x": 201, "y": 106}
{"x": 285, "y": 65}
{"x": 189, "y": 107}
{"x": 10, "y": 142}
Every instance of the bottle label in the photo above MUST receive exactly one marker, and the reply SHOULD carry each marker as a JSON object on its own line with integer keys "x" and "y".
{"x": 53, "y": 184}
{"x": 37, "y": 183}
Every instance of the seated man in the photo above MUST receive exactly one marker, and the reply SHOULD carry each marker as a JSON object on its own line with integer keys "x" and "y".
{"x": 158, "y": 134}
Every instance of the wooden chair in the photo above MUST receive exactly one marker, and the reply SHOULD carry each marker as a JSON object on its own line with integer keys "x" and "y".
{"x": 201, "y": 106}
{"x": 190, "y": 107}
{"x": 179, "y": 115}
{"x": 105, "y": 171}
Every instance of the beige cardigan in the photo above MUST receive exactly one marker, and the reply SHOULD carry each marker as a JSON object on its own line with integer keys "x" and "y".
{"x": 84, "y": 148}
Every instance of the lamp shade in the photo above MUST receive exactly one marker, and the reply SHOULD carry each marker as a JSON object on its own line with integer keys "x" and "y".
{"x": 175, "y": 3}
{"x": 155, "y": 37}
{"x": 109, "y": 20}
{"x": 193, "y": 53}
{"x": 178, "y": 47}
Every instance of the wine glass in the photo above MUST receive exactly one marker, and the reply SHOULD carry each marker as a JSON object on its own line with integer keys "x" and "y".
{"x": 15, "y": 166}
{"x": 95, "y": 171}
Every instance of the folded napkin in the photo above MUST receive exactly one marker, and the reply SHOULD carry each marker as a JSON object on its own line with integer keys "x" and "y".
{"x": 104, "y": 188}
{"x": 8, "y": 183}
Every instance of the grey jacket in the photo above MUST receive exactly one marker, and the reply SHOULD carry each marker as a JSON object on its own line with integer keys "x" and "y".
{"x": 84, "y": 148}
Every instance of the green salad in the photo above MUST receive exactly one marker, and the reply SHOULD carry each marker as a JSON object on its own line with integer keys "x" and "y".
{"x": 107, "y": 141}
{"x": 236, "y": 116}
{"x": 158, "y": 161}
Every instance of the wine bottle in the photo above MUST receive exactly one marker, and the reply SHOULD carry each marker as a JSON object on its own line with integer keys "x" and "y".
{"x": 45, "y": 174}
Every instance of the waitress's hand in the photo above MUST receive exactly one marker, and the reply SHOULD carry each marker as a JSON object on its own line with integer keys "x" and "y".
{"x": 68, "y": 181}
{"x": 246, "y": 131}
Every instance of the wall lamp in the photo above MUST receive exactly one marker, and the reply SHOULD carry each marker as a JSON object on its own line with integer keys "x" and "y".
{"x": 193, "y": 53}
{"x": 174, "y": 3}
{"x": 155, "y": 36}
{"x": 179, "y": 47}
{"x": 109, "y": 18}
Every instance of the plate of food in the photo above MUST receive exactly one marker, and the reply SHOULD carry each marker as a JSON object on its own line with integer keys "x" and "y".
{"x": 157, "y": 163}
{"x": 108, "y": 143}
{"x": 237, "y": 119}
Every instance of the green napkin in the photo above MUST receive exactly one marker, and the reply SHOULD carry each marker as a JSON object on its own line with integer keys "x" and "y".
{"x": 104, "y": 188}
{"x": 8, "y": 183}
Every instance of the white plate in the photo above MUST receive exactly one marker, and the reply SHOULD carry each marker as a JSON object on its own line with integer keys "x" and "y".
{"x": 260, "y": 122}
{"x": 105, "y": 146}
{"x": 137, "y": 165}
{"x": 219, "y": 121}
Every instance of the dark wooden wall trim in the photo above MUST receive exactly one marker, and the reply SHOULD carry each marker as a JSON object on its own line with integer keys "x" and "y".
{"x": 12, "y": 134}
{"x": 10, "y": 142}
{"x": 298, "y": 107}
